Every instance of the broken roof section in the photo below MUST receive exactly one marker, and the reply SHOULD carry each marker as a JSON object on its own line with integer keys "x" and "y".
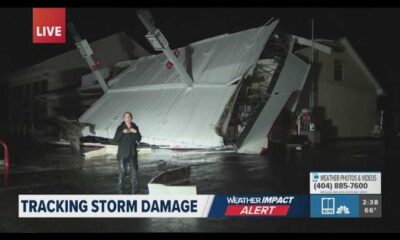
{"x": 166, "y": 111}
{"x": 216, "y": 61}
{"x": 291, "y": 80}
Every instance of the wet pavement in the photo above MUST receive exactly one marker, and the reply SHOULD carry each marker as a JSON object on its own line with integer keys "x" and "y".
{"x": 51, "y": 169}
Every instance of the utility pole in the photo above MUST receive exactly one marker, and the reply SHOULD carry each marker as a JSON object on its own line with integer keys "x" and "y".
{"x": 312, "y": 64}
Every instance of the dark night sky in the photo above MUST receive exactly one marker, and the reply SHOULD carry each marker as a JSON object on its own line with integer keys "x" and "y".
{"x": 373, "y": 32}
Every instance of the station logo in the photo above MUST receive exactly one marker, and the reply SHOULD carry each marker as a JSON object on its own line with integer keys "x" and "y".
{"x": 48, "y": 25}
{"x": 337, "y": 206}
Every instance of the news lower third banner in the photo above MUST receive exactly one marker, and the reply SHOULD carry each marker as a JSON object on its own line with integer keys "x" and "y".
{"x": 162, "y": 206}
{"x": 332, "y": 195}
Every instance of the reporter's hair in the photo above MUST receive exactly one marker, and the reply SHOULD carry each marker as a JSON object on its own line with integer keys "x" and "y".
{"x": 130, "y": 114}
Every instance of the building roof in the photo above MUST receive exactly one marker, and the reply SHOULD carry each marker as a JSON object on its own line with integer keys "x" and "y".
{"x": 108, "y": 51}
{"x": 363, "y": 66}
{"x": 327, "y": 46}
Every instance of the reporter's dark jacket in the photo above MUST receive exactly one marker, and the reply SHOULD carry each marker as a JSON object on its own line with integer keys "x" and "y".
{"x": 127, "y": 142}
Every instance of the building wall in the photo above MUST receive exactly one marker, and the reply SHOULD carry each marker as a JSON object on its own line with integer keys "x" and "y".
{"x": 3, "y": 102}
{"x": 351, "y": 104}
{"x": 62, "y": 71}
{"x": 23, "y": 106}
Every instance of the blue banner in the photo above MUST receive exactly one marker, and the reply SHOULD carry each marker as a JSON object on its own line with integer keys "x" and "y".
{"x": 335, "y": 206}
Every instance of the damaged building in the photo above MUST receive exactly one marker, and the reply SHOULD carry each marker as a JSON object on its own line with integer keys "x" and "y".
{"x": 240, "y": 90}
{"x": 246, "y": 89}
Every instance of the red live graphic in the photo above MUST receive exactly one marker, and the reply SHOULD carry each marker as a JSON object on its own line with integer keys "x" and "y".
{"x": 48, "y": 25}
{"x": 257, "y": 210}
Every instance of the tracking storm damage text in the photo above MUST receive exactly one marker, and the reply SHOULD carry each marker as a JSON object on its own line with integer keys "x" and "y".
{"x": 76, "y": 206}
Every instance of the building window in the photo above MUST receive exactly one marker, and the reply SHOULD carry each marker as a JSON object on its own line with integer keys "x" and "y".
{"x": 43, "y": 86}
{"x": 337, "y": 70}
{"x": 27, "y": 91}
{"x": 35, "y": 88}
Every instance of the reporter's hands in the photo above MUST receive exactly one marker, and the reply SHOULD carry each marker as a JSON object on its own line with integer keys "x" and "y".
{"x": 130, "y": 130}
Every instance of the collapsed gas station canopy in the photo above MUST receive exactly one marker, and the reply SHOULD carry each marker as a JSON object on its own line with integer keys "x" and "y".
{"x": 166, "y": 111}
{"x": 169, "y": 113}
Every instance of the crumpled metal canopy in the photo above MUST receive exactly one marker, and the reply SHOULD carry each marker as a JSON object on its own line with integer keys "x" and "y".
{"x": 167, "y": 112}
